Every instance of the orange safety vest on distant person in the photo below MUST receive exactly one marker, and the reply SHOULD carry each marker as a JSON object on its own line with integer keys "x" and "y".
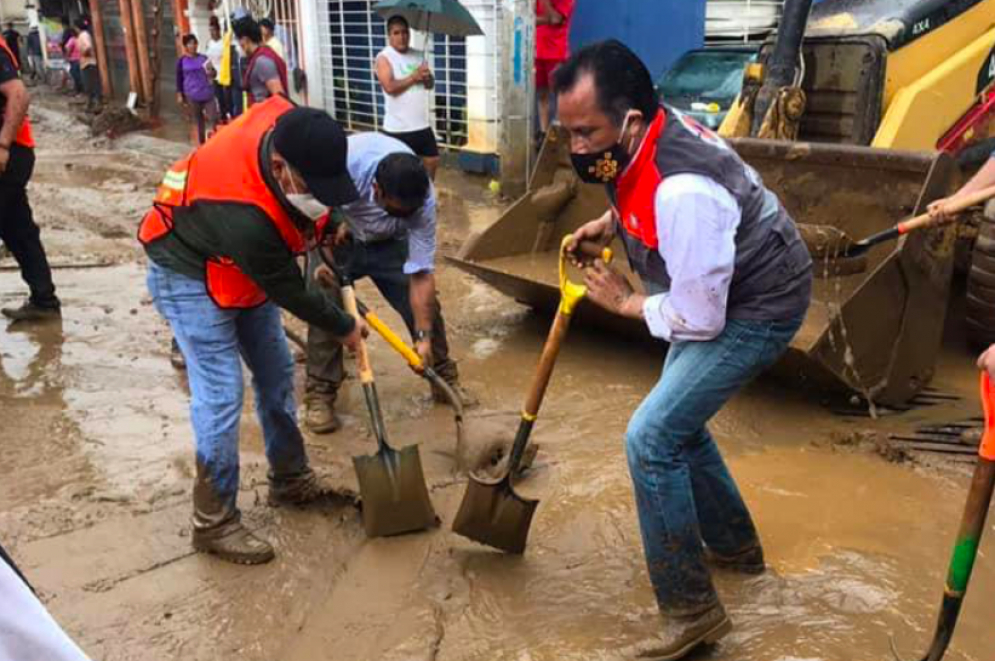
{"x": 226, "y": 170}
{"x": 24, "y": 136}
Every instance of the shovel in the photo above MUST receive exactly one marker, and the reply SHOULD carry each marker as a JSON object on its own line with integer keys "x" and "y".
{"x": 491, "y": 512}
{"x": 391, "y": 482}
{"x": 398, "y": 345}
{"x": 835, "y": 243}
{"x": 972, "y": 525}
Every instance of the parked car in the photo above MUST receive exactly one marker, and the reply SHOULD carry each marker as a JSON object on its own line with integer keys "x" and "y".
{"x": 704, "y": 82}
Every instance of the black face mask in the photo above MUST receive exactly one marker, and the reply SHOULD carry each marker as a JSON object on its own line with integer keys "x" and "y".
{"x": 402, "y": 212}
{"x": 604, "y": 165}
{"x": 601, "y": 167}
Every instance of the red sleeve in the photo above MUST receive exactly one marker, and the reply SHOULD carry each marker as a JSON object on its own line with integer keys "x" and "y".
{"x": 564, "y": 8}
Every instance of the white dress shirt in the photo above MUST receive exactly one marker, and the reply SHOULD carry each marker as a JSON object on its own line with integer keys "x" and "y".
{"x": 696, "y": 223}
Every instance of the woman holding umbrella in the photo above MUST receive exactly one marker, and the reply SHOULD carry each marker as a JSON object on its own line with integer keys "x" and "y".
{"x": 406, "y": 80}
{"x": 404, "y": 73}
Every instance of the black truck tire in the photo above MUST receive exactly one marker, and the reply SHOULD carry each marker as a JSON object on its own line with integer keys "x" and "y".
{"x": 980, "y": 310}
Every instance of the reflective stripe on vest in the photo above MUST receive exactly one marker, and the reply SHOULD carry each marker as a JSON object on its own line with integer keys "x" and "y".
{"x": 226, "y": 170}
{"x": 24, "y": 136}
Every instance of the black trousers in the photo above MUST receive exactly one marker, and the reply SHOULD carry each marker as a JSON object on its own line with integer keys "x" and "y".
{"x": 18, "y": 230}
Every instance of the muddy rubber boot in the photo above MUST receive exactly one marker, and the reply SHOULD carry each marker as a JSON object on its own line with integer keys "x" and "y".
{"x": 29, "y": 311}
{"x": 319, "y": 413}
{"x": 750, "y": 561}
{"x": 681, "y": 635}
{"x": 176, "y": 358}
{"x": 296, "y": 490}
{"x": 236, "y": 545}
{"x": 467, "y": 398}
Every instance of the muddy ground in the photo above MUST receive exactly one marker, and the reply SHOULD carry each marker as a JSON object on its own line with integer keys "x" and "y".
{"x": 96, "y": 466}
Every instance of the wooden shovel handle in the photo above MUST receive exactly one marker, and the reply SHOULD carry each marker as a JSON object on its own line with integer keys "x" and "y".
{"x": 966, "y": 202}
{"x": 546, "y": 362}
{"x": 362, "y": 357}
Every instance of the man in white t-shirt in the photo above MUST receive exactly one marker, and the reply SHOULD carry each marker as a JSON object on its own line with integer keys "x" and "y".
{"x": 215, "y": 53}
{"x": 406, "y": 81}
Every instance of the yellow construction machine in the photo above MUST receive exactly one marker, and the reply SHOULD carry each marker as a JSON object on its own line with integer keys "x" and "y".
{"x": 857, "y": 114}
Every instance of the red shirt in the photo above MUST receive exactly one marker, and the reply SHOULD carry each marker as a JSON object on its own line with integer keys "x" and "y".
{"x": 552, "y": 41}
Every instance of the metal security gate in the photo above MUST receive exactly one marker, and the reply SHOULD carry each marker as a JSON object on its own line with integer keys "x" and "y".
{"x": 350, "y": 36}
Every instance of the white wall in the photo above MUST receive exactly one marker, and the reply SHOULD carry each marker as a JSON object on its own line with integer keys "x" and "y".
{"x": 13, "y": 10}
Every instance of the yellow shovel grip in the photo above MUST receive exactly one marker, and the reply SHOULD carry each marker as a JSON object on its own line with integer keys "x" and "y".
{"x": 393, "y": 340}
{"x": 572, "y": 293}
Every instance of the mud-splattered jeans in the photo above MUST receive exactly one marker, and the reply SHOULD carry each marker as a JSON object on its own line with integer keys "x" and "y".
{"x": 214, "y": 343}
{"x": 684, "y": 492}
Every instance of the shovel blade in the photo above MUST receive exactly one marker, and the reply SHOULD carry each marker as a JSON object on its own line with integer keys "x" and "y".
{"x": 392, "y": 488}
{"x": 493, "y": 514}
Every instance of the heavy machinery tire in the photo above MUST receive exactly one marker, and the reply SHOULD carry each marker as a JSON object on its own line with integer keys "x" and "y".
{"x": 980, "y": 311}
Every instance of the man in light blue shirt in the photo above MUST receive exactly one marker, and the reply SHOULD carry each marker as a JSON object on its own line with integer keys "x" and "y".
{"x": 393, "y": 223}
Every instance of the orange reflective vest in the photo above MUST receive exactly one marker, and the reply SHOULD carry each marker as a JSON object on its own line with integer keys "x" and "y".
{"x": 226, "y": 170}
{"x": 24, "y": 136}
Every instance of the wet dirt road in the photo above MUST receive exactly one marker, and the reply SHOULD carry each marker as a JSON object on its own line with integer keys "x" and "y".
{"x": 97, "y": 458}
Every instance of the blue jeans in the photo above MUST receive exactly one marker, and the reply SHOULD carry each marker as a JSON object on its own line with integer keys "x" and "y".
{"x": 214, "y": 341}
{"x": 685, "y": 495}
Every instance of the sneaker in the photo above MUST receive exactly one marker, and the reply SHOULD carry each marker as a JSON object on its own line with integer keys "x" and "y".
{"x": 238, "y": 545}
{"x": 682, "y": 635}
{"x": 176, "y": 358}
{"x": 29, "y": 311}
{"x": 750, "y": 561}
{"x": 319, "y": 413}
{"x": 467, "y": 398}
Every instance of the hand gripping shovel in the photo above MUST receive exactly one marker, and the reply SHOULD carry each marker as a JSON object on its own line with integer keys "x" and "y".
{"x": 398, "y": 345}
{"x": 491, "y": 512}
{"x": 835, "y": 243}
{"x": 391, "y": 482}
{"x": 972, "y": 525}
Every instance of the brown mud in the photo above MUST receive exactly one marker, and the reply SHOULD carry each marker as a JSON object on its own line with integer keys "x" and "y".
{"x": 97, "y": 461}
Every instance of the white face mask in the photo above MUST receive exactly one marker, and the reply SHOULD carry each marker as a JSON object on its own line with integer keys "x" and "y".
{"x": 307, "y": 204}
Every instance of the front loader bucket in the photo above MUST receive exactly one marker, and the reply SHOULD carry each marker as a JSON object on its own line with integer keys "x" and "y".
{"x": 875, "y": 330}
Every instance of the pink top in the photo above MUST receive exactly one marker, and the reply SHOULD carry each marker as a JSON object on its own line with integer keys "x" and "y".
{"x": 72, "y": 50}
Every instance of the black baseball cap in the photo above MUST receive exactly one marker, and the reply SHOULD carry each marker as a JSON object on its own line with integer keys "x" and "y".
{"x": 315, "y": 146}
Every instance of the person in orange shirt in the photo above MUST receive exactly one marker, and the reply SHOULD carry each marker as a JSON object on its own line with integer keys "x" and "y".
{"x": 552, "y": 48}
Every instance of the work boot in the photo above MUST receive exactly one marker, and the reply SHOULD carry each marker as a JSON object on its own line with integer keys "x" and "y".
{"x": 176, "y": 358}
{"x": 467, "y": 398}
{"x": 750, "y": 561}
{"x": 30, "y": 311}
{"x": 236, "y": 545}
{"x": 681, "y": 635}
{"x": 319, "y": 413}
{"x": 300, "y": 489}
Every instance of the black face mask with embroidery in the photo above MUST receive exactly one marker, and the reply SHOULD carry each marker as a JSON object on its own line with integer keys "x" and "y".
{"x": 601, "y": 167}
{"x": 604, "y": 165}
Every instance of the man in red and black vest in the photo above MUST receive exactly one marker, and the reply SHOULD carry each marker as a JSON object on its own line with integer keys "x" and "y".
{"x": 18, "y": 230}
{"x": 727, "y": 281}
{"x": 222, "y": 238}
{"x": 265, "y": 71}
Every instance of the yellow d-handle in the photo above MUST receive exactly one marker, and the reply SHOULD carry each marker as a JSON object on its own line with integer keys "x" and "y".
{"x": 393, "y": 340}
{"x": 570, "y": 292}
